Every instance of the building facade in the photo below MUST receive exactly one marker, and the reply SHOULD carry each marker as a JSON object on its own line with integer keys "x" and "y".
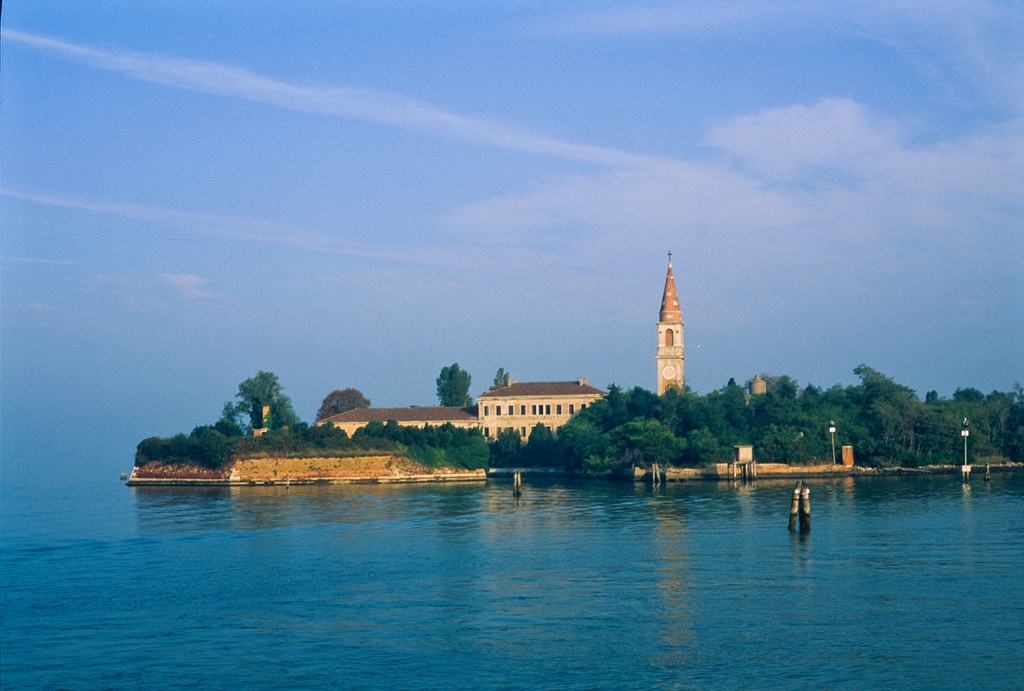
{"x": 522, "y": 406}
{"x": 413, "y": 416}
{"x": 518, "y": 406}
{"x": 670, "y": 355}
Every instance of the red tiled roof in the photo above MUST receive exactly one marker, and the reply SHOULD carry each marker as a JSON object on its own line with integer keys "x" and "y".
{"x": 543, "y": 388}
{"x": 438, "y": 414}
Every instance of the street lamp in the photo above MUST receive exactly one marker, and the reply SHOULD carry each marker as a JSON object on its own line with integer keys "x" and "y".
{"x": 832, "y": 431}
{"x": 964, "y": 432}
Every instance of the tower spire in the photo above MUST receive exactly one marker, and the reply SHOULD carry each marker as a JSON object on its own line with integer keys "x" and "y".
{"x": 670, "y": 311}
{"x": 670, "y": 337}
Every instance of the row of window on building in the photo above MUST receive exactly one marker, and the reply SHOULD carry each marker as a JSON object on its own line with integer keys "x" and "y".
{"x": 535, "y": 409}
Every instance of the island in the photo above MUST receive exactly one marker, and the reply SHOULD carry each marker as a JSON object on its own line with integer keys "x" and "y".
{"x": 770, "y": 426}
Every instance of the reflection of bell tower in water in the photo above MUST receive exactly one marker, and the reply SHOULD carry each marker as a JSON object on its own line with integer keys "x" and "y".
{"x": 670, "y": 337}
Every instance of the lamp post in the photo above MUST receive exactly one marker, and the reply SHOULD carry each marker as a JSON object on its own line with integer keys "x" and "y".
{"x": 832, "y": 431}
{"x": 965, "y": 432}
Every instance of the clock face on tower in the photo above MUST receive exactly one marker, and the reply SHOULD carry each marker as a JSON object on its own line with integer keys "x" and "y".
{"x": 668, "y": 372}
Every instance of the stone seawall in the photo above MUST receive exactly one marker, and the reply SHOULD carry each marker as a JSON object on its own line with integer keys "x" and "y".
{"x": 303, "y": 471}
{"x": 725, "y": 471}
{"x": 722, "y": 471}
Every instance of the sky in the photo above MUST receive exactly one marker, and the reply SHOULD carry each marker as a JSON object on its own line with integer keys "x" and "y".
{"x": 361, "y": 193}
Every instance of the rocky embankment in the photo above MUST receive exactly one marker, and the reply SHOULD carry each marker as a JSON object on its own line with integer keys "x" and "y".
{"x": 301, "y": 471}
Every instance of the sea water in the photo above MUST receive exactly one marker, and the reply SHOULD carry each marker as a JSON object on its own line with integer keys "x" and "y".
{"x": 903, "y": 582}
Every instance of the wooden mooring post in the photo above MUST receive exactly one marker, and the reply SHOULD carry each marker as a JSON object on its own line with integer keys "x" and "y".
{"x": 517, "y": 485}
{"x": 794, "y": 507}
{"x": 655, "y": 474}
{"x": 988, "y": 472}
{"x": 747, "y": 471}
{"x": 805, "y": 508}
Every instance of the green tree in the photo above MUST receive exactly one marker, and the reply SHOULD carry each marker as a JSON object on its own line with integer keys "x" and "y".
{"x": 228, "y": 427}
{"x": 644, "y": 442}
{"x": 339, "y": 401}
{"x": 541, "y": 448}
{"x": 703, "y": 448}
{"x": 970, "y": 395}
{"x": 609, "y": 412}
{"x": 151, "y": 449}
{"x": 211, "y": 448}
{"x": 582, "y": 439}
{"x": 254, "y": 393}
{"x": 598, "y": 464}
{"x": 506, "y": 449}
{"x": 453, "y": 386}
{"x": 781, "y": 445}
{"x": 501, "y": 378}
{"x": 641, "y": 403}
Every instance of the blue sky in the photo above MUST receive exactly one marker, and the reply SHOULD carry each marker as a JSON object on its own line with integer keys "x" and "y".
{"x": 360, "y": 193}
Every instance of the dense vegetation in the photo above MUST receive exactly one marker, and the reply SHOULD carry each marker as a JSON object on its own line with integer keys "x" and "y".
{"x": 885, "y": 422}
{"x": 231, "y": 437}
{"x": 210, "y": 447}
{"x": 443, "y": 445}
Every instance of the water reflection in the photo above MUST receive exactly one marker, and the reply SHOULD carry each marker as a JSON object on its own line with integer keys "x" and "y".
{"x": 674, "y": 583}
{"x": 181, "y": 508}
{"x": 801, "y": 541}
{"x": 547, "y": 504}
{"x": 268, "y": 508}
{"x": 848, "y": 485}
{"x": 695, "y": 584}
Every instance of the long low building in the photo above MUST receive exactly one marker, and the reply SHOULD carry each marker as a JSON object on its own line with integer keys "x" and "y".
{"x": 413, "y": 416}
{"x": 518, "y": 406}
{"x": 521, "y": 406}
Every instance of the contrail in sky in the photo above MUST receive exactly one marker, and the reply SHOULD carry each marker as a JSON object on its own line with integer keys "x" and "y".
{"x": 358, "y": 104}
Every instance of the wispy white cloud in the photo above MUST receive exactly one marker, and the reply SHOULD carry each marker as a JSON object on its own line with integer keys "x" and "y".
{"x": 190, "y": 286}
{"x": 662, "y": 197}
{"x": 983, "y": 170}
{"x": 360, "y": 104}
{"x": 978, "y": 41}
{"x": 957, "y": 184}
{"x": 43, "y": 260}
{"x": 213, "y": 225}
{"x": 287, "y": 235}
{"x": 640, "y": 18}
{"x": 779, "y": 142}
{"x": 790, "y": 177}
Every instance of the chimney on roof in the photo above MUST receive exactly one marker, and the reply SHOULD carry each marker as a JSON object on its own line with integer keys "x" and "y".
{"x": 583, "y": 381}
{"x": 512, "y": 381}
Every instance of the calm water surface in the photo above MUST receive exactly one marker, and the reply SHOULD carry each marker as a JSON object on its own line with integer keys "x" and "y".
{"x": 904, "y": 582}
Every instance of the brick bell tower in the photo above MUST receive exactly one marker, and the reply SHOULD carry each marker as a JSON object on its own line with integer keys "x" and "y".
{"x": 670, "y": 336}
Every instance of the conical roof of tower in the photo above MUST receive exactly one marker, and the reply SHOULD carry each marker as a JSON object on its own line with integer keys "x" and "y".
{"x": 670, "y": 300}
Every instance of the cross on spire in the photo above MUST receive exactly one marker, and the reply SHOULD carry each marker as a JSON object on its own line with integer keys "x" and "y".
{"x": 670, "y": 256}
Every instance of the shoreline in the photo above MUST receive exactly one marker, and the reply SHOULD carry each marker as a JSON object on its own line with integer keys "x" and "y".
{"x": 387, "y": 472}
{"x": 467, "y": 476}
